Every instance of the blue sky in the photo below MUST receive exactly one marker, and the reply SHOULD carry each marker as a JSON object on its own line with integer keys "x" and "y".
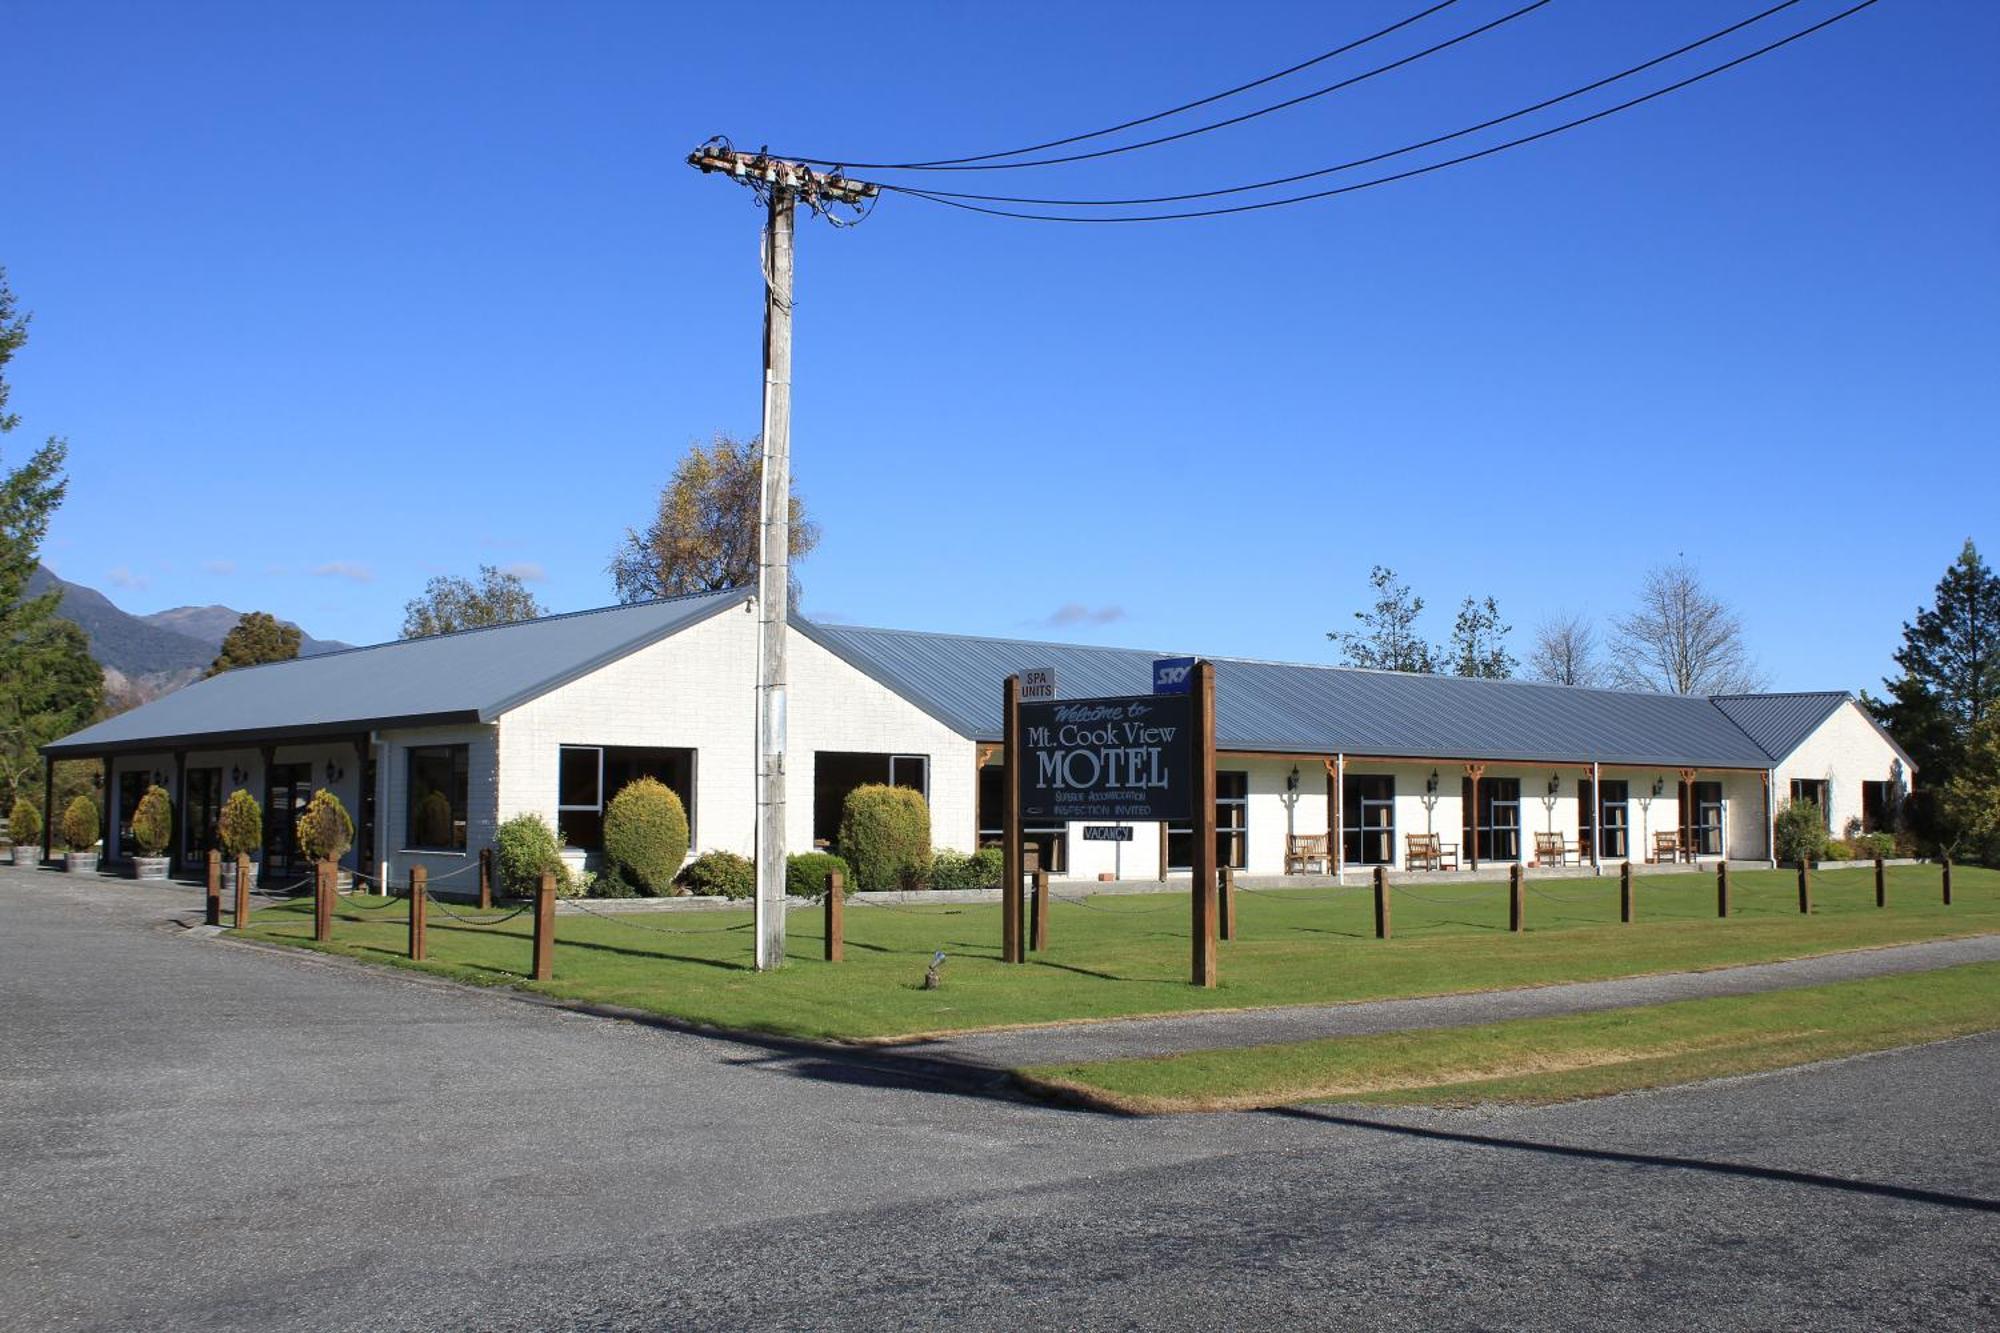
{"x": 329, "y": 299}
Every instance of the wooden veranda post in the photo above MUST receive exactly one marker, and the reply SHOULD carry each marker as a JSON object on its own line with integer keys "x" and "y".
{"x": 836, "y": 943}
{"x": 1204, "y": 904}
{"x": 48, "y": 810}
{"x": 242, "y": 890}
{"x": 419, "y": 909}
{"x": 1722, "y": 888}
{"x": 1381, "y": 902}
{"x": 1625, "y": 904}
{"x": 1010, "y": 841}
{"x": 545, "y": 926}
{"x": 323, "y": 883}
{"x": 212, "y": 913}
{"x": 1475, "y": 772}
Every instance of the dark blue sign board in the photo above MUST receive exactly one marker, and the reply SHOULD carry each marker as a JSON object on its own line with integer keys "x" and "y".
{"x": 1129, "y": 758}
{"x": 1173, "y": 675}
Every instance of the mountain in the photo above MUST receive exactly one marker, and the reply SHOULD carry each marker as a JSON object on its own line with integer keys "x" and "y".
{"x": 147, "y": 656}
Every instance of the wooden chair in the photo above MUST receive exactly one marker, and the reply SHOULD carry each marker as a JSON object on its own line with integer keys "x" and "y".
{"x": 1423, "y": 851}
{"x": 1666, "y": 848}
{"x": 1551, "y": 850}
{"x": 1303, "y": 851}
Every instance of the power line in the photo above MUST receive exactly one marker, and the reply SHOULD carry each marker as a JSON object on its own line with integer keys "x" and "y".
{"x": 1375, "y": 157}
{"x": 1483, "y": 28}
{"x": 1401, "y": 175}
{"x": 1321, "y": 58}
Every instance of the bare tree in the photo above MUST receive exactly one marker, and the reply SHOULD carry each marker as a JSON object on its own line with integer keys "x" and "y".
{"x": 1565, "y": 651}
{"x": 1681, "y": 639}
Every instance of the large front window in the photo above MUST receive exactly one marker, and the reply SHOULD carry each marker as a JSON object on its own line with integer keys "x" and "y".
{"x": 589, "y": 777}
{"x": 1048, "y": 842}
{"x": 1814, "y": 790}
{"x": 1232, "y": 827}
{"x": 836, "y": 773}
{"x": 1701, "y": 818}
{"x": 1368, "y": 819}
{"x": 1606, "y": 820}
{"x": 439, "y": 789}
{"x": 1495, "y": 805}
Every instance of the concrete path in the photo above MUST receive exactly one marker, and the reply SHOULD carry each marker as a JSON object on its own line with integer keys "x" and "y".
{"x": 194, "y": 1135}
{"x": 1128, "y": 1037}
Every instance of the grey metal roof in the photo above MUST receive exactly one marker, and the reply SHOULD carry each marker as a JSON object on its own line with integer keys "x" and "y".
{"x": 471, "y": 676}
{"x": 1780, "y": 722}
{"x": 1280, "y": 707}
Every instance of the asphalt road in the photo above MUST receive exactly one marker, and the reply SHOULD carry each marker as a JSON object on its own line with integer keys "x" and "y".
{"x": 199, "y": 1134}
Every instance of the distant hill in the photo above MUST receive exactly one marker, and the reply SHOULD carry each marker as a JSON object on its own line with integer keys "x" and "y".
{"x": 153, "y": 654}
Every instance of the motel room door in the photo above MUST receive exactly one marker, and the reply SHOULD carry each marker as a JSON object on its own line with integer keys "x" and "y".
{"x": 287, "y": 790}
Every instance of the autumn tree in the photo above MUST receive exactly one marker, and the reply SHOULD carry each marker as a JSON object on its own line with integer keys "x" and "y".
{"x": 1388, "y": 639}
{"x": 257, "y": 638}
{"x": 454, "y": 602}
{"x": 1565, "y": 652}
{"x": 1479, "y": 641}
{"x": 49, "y": 685}
{"x": 1681, "y": 639}
{"x": 703, "y": 535}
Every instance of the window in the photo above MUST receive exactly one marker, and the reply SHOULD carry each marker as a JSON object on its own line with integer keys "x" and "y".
{"x": 1814, "y": 790}
{"x": 1049, "y": 842}
{"x": 1497, "y": 833}
{"x": 201, "y": 812}
{"x": 287, "y": 790}
{"x": 589, "y": 777}
{"x": 1232, "y": 826}
{"x": 1368, "y": 819}
{"x": 439, "y": 792}
{"x": 1878, "y": 807}
{"x": 838, "y": 772}
{"x": 1611, "y": 816}
{"x": 131, "y": 786}
{"x": 1701, "y": 817}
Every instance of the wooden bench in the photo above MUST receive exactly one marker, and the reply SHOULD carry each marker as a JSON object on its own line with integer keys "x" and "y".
{"x": 1666, "y": 848}
{"x": 1552, "y": 850}
{"x": 1423, "y": 851}
{"x": 1303, "y": 851}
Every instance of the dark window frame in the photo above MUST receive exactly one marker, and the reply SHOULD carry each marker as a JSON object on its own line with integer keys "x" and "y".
{"x": 1362, "y": 793}
{"x": 1232, "y": 826}
{"x": 1487, "y": 836}
{"x": 458, "y": 759}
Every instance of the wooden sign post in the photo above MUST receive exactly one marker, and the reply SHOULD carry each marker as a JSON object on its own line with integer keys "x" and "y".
{"x": 1203, "y": 796}
{"x": 1010, "y": 848}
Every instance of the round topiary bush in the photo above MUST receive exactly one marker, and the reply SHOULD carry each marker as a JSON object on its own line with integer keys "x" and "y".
{"x": 885, "y": 834}
{"x": 720, "y": 875}
{"x": 324, "y": 830}
{"x": 524, "y": 848}
{"x": 24, "y": 823}
{"x": 806, "y": 872}
{"x": 645, "y": 836}
{"x": 241, "y": 828}
{"x": 1801, "y": 832}
{"x": 153, "y": 822}
{"x": 80, "y": 824}
{"x": 957, "y": 870}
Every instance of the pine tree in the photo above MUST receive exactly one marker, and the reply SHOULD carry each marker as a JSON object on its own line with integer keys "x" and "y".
{"x": 257, "y": 638}
{"x": 1950, "y": 661}
{"x": 1388, "y": 639}
{"x": 1479, "y": 641}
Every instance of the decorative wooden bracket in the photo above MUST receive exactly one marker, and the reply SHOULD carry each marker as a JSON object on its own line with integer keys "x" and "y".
{"x": 1332, "y": 769}
{"x": 1475, "y": 771}
{"x": 986, "y": 752}
{"x": 1687, "y": 774}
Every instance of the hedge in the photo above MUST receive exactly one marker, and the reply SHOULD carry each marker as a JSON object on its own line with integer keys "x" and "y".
{"x": 956, "y": 870}
{"x": 1800, "y": 829}
{"x": 645, "y": 836}
{"x": 806, "y": 872}
{"x": 885, "y": 835}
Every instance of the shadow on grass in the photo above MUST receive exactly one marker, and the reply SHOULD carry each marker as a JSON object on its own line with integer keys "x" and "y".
{"x": 1781, "y": 1175}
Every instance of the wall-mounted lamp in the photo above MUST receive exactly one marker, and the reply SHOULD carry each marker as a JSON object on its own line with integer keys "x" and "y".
{"x": 334, "y": 772}
{"x": 1555, "y": 784}
{"x": 97, "y": 779}
{"x": 1431, "y": 784}
{"x": 237, "y": 777}
{"x": 1659, "y": 786}
{"x": 1292, "y": 779}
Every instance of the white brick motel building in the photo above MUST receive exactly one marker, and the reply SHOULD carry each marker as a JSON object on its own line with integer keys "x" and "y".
{"x": 554, "y": 715}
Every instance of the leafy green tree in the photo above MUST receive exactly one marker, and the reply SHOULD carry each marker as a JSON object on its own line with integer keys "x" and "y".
{"x": 49, "y": 685}
{"x": 1479, "y": 641}
{"x": 1950, "y": 662}
{"x": 1388, "y": 639}
{"x": 703, "y": 537}
{"x": 1968, "y": 804}
{"x": 256, "y": 638}
{"x": 453, "y": 602}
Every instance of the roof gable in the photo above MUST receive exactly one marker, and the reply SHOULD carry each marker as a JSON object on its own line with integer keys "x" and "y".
{"x": 1780, "y": 723}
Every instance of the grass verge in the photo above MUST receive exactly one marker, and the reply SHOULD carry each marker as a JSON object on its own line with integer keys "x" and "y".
{"x": 1128, "y": 956}
{"x": 1552, "y": 1059}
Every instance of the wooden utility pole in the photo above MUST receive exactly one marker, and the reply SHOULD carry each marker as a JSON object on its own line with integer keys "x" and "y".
{"x": 780, "y": 185}
{"x": 1010, "y": 848}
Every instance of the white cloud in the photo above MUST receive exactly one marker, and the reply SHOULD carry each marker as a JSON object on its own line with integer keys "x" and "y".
{"x": 344, "y": 569}
{"x": 121, "y": 576}
{"x": 219, "y": 566}
{"x": 525, "y": 570}
{"x": 1076, "y": 613}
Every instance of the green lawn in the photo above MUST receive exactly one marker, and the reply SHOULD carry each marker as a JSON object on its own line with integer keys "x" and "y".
{"x": 1554, "y": 1059}
{"x": 1129, "y": 955}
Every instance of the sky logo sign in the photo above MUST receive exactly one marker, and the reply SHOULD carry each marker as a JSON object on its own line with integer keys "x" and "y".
{"x": 1173, "y": 675}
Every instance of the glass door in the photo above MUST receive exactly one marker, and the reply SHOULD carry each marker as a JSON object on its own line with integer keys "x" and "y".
{"x": 1368, "y": 834}
{"x": 287, "y": 789}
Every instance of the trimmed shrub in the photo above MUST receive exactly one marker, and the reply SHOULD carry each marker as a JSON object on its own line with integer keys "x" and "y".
{"x": 956, "y": 870}
{"x": 885, "y": 835}
{"x": 645, "y": 836}
{"x": 607, "y": 883}
{"x": 721, "y": 875}
{"x": 153, "y": 822}
{"x": 324, "y": 830}
{"x": 1871, "y": 845}
{"x": 1839, "y": 851}
{"x": 806, "y": 872}
{"x": 1801, "y": 832}
{"x": 24, "y": 823}
{"x": 523, "y": 848}
{"x": 80, "y": 824}
{"x": 241, "y": 828}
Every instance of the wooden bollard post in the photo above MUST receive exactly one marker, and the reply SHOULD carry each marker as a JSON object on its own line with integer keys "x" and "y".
{"x": 545, "y": 926}
{"x": 1625, "y": 904}
{"x": 323, "y": 901}
{"x": 1038, "y": 934}
{"x": 1805, "y": 885}
{"x": 1381, "y": 902}
{"x": 1881, "y": 883}
{"x": 420, "y": 903}
{"x": 1516, "y": 899}
{"x": 1226, "y": 909}
{"x": 485, "y": 879}
{"x": 836, "y": 890}
{"x": 1947, "y": 881}
{"x": 243, "y": 890}
{"x": 1722, "y": 888}
{"x": 213, "y": 913}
